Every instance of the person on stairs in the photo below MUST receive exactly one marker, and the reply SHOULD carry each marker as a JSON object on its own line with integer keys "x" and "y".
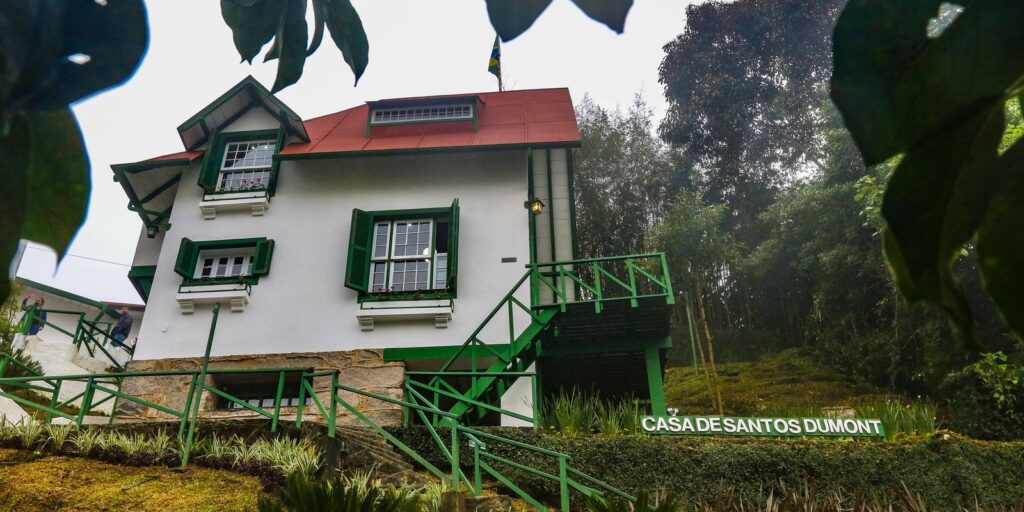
{"x": 122, "y": 328}
{"x": 38, "y": 321}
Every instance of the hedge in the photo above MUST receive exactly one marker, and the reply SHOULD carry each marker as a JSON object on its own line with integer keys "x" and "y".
{"x": 946, "y": 470}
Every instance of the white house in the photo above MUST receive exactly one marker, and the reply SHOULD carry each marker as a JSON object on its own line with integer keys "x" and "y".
{"x": 377, "y": 240}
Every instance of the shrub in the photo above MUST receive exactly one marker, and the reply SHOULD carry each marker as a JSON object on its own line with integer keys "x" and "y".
{"x": 576, "y": 413}
{"x": 301, "y": 494}
{"x": 986, "y": 399}
{"x": 943, "y": 469}
{"x": 900, "y": 418}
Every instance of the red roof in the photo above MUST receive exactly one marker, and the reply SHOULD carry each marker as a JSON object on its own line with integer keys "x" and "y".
{"x": 190, "y": 155}
{"x": 531, "y": 117}
{"x": 510, "y": 118}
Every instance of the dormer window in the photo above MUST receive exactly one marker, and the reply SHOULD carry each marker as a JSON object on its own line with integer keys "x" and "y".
{"x": 239, "y": 171}
{"x": 456, "y": 112}
{"x": 247, "y": 166}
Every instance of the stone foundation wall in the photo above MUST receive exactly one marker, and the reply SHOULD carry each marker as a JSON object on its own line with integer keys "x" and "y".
{"x": 360, "y": 369}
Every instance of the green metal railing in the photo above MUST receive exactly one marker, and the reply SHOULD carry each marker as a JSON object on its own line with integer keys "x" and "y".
{"x": 94, "y": 335}
{"x": 601, "y": 280}
{"x": 482, "y": 461}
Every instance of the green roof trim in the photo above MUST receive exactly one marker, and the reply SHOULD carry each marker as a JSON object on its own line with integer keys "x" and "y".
{"x": 275, "y": 107}
{"x": 444, "y": 352}
{"x": 68, "y": 295}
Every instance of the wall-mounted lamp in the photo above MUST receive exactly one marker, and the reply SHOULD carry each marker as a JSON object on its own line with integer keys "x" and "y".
{"x": 536, "y": 206}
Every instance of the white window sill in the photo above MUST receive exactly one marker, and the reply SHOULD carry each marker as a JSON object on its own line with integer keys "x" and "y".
{"x": 439, "y": 311}
{"x": 256, "y": 202}
{"x": 237, "y": 295}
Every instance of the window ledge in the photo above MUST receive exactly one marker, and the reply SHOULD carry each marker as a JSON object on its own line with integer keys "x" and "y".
{"x": 256, "y": 202}
{"x": 235, "y": 294}
{"x": 438, "y": 311}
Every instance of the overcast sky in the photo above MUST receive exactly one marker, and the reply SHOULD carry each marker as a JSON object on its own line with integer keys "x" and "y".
{"x": 417, "y": 47}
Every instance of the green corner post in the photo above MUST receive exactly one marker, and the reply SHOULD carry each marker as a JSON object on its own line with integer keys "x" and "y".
{"x": 652, "y": 358}
{"x": 200, "y": 385}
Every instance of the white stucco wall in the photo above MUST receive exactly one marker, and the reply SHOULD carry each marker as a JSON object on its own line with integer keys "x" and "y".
{"x": 147, "y": 251}
{"x": 302, "y": 305}
{"x": 252, "y": 119}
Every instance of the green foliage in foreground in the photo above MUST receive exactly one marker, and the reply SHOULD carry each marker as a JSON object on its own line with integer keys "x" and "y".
{"x": 751, "y": 468}
{"x": 902, "y": 94}
{"x": 577, "y": 413}
{"x": 301, "y": 494}
{"x": 987, "y": 399}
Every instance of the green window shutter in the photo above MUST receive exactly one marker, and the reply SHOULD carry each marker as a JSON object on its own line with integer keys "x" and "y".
{"x": 261, "y": 261}
{"x": 210, "y": 171}
{"x": 360, "y": 239}
{"x": 272, "y": 185}
{"x": 188, "y": 253}
{"x": 453, "y": 244}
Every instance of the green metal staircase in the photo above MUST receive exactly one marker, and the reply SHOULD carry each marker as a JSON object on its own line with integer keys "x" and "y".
{"x": 573, "y": 303}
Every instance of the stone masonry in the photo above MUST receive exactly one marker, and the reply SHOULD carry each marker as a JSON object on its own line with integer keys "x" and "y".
{"x": 360, "y": 369}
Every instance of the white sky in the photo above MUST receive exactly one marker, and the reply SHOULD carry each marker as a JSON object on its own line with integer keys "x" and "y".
{"x": 417, "y": 48}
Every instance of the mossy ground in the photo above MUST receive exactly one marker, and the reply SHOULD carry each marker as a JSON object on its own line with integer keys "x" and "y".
{"x": 30, "y": 482}
{"x": 788, "y": 380}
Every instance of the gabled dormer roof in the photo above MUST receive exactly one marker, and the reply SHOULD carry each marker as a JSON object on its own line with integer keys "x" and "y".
{"x": 230, "y": 106}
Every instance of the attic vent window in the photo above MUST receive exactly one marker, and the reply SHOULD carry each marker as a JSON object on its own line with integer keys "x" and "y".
{"x": 415, "y": 114}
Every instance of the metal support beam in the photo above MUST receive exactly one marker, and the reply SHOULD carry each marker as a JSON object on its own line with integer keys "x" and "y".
{"x": 652, "y": 357}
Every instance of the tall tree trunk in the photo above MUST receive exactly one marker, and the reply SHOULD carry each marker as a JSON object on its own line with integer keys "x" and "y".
{"x": 711, "y": 351}
{"x": 700, "y": 351}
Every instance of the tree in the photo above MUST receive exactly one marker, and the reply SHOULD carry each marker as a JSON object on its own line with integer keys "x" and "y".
{"x": 745, "y": 86}
{"x": 625, "y": 178}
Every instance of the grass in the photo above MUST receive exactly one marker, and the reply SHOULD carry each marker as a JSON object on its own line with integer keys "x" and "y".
{"x": 30, "y": 483}
{"x": 789, "y": 380}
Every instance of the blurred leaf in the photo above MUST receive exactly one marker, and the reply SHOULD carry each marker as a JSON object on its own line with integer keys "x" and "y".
{"x": 510, "y": 19}
{"x": 319, "y": 13}
{"x": 610, "y": 12}
{"x": 58, "y": 182}
{"x": 901, "y": 91}
{"x": 37, "y": 39}
{"x": 273, "y": 53}
{"x": 291, "y": 42}
{"x": 1001, "y": 242}
{"x": 14, "y": 149}
{"x": 348, "y": 34}
{"x": 253, "y": 23}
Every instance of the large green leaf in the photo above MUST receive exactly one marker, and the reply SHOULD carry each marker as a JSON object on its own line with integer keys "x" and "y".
{"x": 610, "y": 12}
{"x": 58, "y": 185}
{"x": 347, "y": 32}
{"x": 58, "y": 52}
{"x": 939, "y": 101}
{"x": 253, "y": 23}
{"x": 291, "y": 43}
{"x": 1001, "y": 242}
{"x": 14, "y": 162}
{"x": 513, "y": 18}
{"x": 319, "y": 22}
{"x": 44, "y": 173}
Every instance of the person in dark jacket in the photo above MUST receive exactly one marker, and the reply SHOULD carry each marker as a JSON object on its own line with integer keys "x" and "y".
{"x": 122, "y": 328}
{"x": 38, "y": 321}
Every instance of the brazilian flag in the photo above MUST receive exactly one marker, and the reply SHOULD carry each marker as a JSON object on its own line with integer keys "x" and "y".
{"x": 494, "y": 66}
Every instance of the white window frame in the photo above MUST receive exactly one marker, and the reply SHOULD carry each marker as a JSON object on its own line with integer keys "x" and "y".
{"x": 417, "y": 114}
{"x": 389, "y": 259}
{"x": 248, "y": 256}
{"x": 394, "y": 239}
{"x": 224, "y": 171}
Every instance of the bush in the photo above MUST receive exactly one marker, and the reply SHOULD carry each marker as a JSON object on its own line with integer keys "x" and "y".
{"x": 986, "y": 399}
{"x": 944, "y": 469}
